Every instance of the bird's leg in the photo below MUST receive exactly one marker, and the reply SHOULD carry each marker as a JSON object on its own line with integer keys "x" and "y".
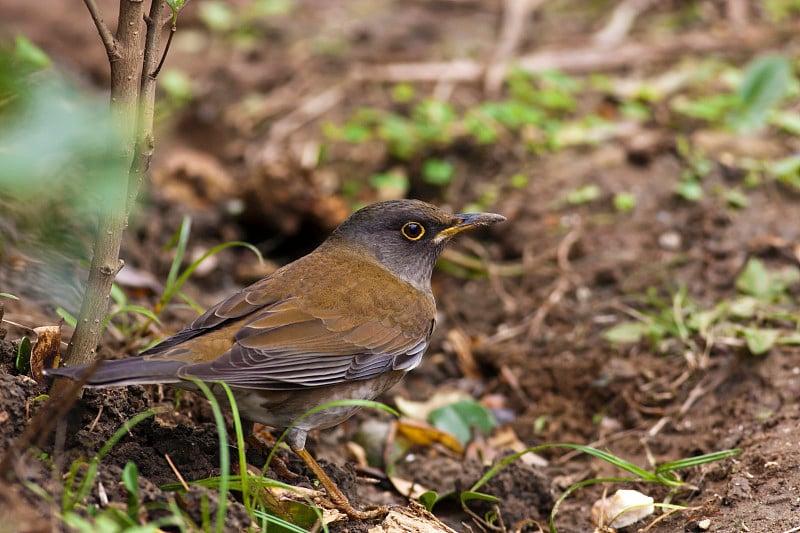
{"x": 335, "y": 494}
{"x": 256, "y": 441}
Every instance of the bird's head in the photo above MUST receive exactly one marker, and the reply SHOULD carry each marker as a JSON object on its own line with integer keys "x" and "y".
{"x": 406, "y": 236}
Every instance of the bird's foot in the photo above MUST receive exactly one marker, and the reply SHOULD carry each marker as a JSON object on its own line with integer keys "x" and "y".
{"x": 352, "y": 513}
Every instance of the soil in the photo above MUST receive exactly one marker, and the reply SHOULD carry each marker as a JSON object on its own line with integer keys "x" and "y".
{"x": 535, "y": 340}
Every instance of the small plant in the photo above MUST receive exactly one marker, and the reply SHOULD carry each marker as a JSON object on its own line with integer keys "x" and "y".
{"x": 757, "y": 318}
{"x": 664, "y": 474}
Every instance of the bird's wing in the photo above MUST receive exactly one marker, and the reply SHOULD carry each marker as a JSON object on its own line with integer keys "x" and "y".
{"x": 285, "y": 345}
{"x": 276, "y": 334}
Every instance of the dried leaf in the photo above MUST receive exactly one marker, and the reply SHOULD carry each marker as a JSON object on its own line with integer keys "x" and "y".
{"x": 423, "y": 434}
{"x": 46, "y": 352}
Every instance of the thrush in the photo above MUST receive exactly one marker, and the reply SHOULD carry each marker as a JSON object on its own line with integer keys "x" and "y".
{"x": 344, "y": 322}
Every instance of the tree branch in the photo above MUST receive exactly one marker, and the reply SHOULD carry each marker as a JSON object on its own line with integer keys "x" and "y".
{"x": 112, "y": 48}
{"x": 113, "y": 217}
{"x": 145, "y": 140}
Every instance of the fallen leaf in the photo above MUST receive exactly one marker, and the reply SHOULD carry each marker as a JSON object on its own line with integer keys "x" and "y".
{"x": 46, "y": 350}
{"x": 423, "y": 434}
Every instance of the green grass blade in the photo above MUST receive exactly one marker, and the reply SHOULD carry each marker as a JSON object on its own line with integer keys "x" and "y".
{"x": 178, "y": 283}
{"x": 237, "y": 425}
{"x": 180, "y": 241}
{"x": 224, "y": 453}
{"x": 131, "y": 309}
{"x": 697, "y": 460}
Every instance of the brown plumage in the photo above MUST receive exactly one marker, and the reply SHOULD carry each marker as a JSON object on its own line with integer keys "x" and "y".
{"x": 344, "y": 322}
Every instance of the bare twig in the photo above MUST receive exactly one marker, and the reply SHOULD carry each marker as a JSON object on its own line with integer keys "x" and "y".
{"x": 562, "y": 283}
{"x": 307, "y": 111}
{"x": 515, "y": 13}
{"x": 112, "y": 48}
{"x": 588, "y": 58}
{"x": 178, "y": 473}
{"x": 738, "y": 12}
{"x": 621, "y": 21}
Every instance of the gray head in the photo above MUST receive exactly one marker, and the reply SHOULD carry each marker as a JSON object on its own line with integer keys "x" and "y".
{"x": 407, "y": 236}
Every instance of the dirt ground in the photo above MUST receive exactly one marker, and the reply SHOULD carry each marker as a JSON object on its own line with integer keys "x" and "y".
{"x": 534, "y": 337}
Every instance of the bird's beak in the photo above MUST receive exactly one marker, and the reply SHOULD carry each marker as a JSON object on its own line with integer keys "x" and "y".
{"x": 466, "y": 222}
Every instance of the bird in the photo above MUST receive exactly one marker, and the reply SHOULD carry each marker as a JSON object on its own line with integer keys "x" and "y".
{"x": 344, "y": 322}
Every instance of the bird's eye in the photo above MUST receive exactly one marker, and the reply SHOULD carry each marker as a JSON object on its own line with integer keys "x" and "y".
{"x": 413, "y": 231}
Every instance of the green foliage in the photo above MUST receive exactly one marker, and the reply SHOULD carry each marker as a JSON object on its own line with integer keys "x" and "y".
{"x": 762, "y": 87}
{"x": 22, "y": 362}
{"x": 390, "y": 184}
{"x": 130, "y": 480}
{"x": 765, "y": 83}
{"x": 437, "y": 171}
{"x": 663, "y": 474}
{"x": 176, "y": 278}
{"x": 758, "y": 316}
{"x": 460, "y": 418}
{"x": 624, "y": 202}
{"x": 698, "y": 166}
{"x": 583, "y": 195}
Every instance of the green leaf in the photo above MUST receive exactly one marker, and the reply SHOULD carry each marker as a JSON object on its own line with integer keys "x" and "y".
{"x": 760, "y": 340}
{"x": 468, "y": 495}
{"x": 690, "y": 190}
{"x": 744, "y": 307}
{"x": 459, "y": 418}
{"x": 391, "y": 184}
{"x": 754, "y": 279}
{"x": 518, "y": 181}
{"x": 765, "y": 82}
{"x": 218, "y": 16}
{"x": 736, "y": 198}
{"x": 68, "y": 317}
{"x": 790, "y": 339}
{"x": 437, "y": 171}
{"x": 626, "y": 332}
{"x": 30, "y": 54}
{"x": 23, "y": 360}
{"x": 788, "y": 121}
{"x": 130, "y": 479}
{"x": 176, "y": 84}
{"x": 355, "y": 133}
{"x": 583, "y": 195}
{"x": 624, "y": 202}
{"x": 428, "y": 499}
{"x": 403, "y": 92}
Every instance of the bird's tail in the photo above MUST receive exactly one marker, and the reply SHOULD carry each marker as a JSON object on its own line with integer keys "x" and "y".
{"x": 120, "y": 372}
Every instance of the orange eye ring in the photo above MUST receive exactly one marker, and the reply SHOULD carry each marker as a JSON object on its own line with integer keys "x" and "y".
{"x": 413, "y": 231}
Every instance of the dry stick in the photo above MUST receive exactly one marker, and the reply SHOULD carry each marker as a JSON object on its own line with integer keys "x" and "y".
{"x": 738, "y": 12}
{"x": 561, "y": 285}
{"x": 621, "y": 21}
{"x": 705, "y": 386}
{"x": 515, "y": 14}
{"x": 586, "y": 59}
{"x": 307, "y": 111}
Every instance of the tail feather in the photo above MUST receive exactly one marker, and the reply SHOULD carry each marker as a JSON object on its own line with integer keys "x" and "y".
{"x": 121, "y": 372}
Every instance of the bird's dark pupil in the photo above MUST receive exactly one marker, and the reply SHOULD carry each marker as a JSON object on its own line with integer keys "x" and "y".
{"x": 412, "y": 231}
